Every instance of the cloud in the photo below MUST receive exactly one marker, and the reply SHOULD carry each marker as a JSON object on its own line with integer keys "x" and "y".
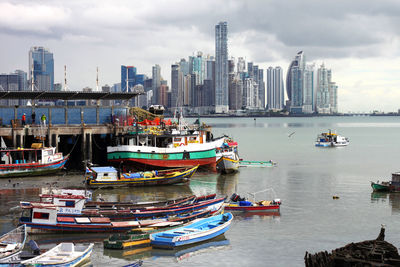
{"x": 85, "y": 34}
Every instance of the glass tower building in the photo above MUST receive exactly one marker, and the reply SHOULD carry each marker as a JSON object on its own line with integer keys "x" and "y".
{"x": 128, "y": 78}
{"x": 41, "y": 63}
{"x": 221, "y": 68}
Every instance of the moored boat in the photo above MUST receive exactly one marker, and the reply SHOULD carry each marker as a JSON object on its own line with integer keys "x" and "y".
{"x": 388, "y": 186}
{"x": 167, "y": 147}
{"x": 330, "y": 139}
{"x": 198, "y": 231}
{"x": 240, "y": 204}
{"x": 256, "y": 163}
{"x": 141, "y": 237}
{"x": 74, "y": 206}
{"x": 12, "y": 244}
{"x": 227, "y": 157}
{"x": 64, "y": 254}
{"x": 110, "y": 177}
{"x": 37, "y": 160}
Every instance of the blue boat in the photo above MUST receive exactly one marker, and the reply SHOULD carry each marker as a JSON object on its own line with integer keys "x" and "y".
{"x": 198, "y": 231}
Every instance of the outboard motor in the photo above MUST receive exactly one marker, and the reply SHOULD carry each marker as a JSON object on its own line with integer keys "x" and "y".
{"x": 276, "y": 201}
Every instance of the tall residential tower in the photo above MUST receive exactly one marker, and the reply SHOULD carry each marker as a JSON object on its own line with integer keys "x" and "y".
{"x": 221, "y": 68}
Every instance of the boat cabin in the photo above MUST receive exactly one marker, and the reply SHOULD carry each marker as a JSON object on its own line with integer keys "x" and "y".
{"x": 66, "y": 204}
{"x": 103, "y": 174}
{"x": 40, "y": 213}
{"x": 35, "y": 154}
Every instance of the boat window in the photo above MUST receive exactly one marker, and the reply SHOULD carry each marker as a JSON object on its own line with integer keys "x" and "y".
{"x": 70, "y": 203}
{"x": 177, "y": 139}
{"x": 192, "y": 138}
{"x": 41, "y": 215}
{"x": 105, "y": 174}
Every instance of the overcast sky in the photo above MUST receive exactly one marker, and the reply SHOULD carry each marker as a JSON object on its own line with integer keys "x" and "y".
{"x": 358, "y": 39}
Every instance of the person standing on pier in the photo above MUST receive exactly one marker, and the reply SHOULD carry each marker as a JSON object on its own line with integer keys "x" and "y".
{"x": 43, "y": 120}
{"x": 23, "y": 119}
{"x": 33, "y": 117}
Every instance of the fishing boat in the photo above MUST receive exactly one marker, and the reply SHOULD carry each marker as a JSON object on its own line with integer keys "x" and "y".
{"x": 198, "y": 231}
{"x": 46, "y": 218}
{"x": 74, "y": 206}
{"x": 239, "y": 204}
{"x": 227, "y": 157}
{"x": 12, "y": 244}
{"x": 36, "y": 160}
{"x": 255, "y": 163}
{"x": 330, "y": 139}
{"x": 64, "y": 254}
{"x": 97, "y": 177}
{"x": 173, "y": 146}
{"x": 141, "y": 237}
{"x": 388, "y": 186}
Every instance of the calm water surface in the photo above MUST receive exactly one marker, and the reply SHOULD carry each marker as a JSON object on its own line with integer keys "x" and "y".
{"x": 305, "y": 179}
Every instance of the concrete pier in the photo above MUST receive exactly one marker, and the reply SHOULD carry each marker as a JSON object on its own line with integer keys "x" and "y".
{"x": 89, "y": 142}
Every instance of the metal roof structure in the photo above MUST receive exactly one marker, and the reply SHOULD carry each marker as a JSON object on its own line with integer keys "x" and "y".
{"x": 66, "y": 95}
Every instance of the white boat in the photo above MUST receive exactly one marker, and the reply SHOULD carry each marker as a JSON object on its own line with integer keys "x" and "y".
{"x": 330, "y": 139}
{"x": 64, "y": 254}
{"x": 227, "y": 157}
{"x": 12, "y": 243}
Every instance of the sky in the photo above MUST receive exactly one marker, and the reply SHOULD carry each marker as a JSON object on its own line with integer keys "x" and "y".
{"x": 358, "y": 40}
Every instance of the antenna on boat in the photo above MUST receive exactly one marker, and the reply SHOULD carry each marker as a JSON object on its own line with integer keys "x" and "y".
{"x": 97, "y": 79}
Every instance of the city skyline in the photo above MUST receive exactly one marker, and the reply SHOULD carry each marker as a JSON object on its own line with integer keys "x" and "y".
{"x": 359, "y": 46}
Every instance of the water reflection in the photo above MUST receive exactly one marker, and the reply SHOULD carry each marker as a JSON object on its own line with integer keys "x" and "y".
{"x": 179, "y": 253}
{"x": 392, "y": 198}
{"x": 140, "y": 194}
{"x": 227, "y": 184}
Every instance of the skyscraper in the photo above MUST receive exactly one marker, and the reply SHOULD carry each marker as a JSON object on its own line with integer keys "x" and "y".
{"x": 275, "y": 88}
{"x": 156, "y": 76}
{"x": 128, "y": 77}
{"x": 221, "y": 67}
{"x": 41, "y": 63}
{"x": 326, "y": 101}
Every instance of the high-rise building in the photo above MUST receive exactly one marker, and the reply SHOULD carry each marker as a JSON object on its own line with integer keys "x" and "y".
{"x": 236, "y": 93}
{"x": 326, "y": 100}
{"x": 261, "y": 88}
{"x": 308, "y": 89}
{"x": 221, "y": 68}
{"x": 298, "y": 63}
{"x": 241, "y": 65}
{"x": 156, "y": 76}
{"x": 128, "y": 77}
{"x": 275, "y": 88}
{"x": 163, "y": 95}
{"x": 41, "y": 64}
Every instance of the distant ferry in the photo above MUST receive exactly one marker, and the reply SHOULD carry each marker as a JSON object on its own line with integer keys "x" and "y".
{"x": 331, "y": 140}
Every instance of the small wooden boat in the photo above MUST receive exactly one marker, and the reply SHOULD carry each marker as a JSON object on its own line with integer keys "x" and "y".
{"x": 12, "y": 244}
{"x": 64, "y": 254}
{"x": 45, "y": 218}
{"x": 25, "y": 162}
{"x": 141, "y": 237}
{"x": 388, "y": 186}
{"x": 381, "y": 187}
{"x": 198, "y": 231}
{"x": 73, "y": 206}
{"x": 244, "y": 205}
{"x": 255, "y": 163}
{"x": 227, "y": 157}
{"x": 110, "y": 177}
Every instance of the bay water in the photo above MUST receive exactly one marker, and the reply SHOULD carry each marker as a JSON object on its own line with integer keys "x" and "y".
{"x": 305, "y": 179}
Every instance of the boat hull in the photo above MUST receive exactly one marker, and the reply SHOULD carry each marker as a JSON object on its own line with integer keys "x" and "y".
{"x": 84, "y": 257}
{"x": 270, "y": 208}
{"x": 227, "y": 165}
{"x": 146, "y": 157}
{"x": 31, "y": 169}
{"x": 378, "y": 187}
{"x": 158, "y": 241}
{"x": 183, "y": 177}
